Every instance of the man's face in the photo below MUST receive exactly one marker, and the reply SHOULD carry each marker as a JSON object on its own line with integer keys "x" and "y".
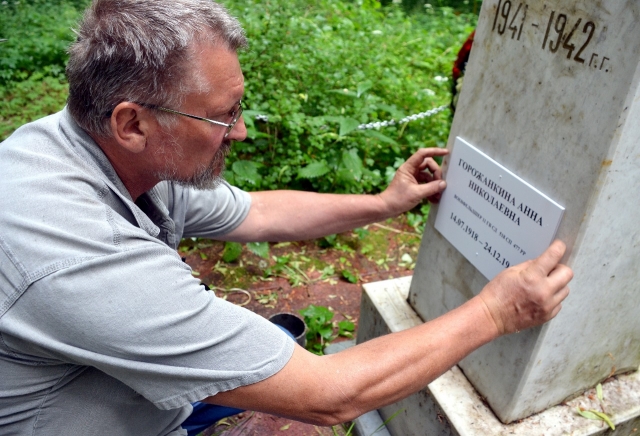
{"x": 193, "y": 152}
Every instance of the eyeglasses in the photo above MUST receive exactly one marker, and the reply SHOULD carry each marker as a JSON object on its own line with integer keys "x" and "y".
{"x": 235, "y": 116}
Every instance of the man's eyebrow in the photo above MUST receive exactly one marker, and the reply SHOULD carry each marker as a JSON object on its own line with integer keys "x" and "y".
{"x": 226, "y": 109}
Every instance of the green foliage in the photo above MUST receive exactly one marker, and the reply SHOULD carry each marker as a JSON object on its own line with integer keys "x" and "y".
{"x": 320, "y": 328}
{"x": 349, "y": 276}
{"x": 418, "y": 6}
{"x": 319, "y": 69}
{"x": 30, "y": 99}
{"x": 33, "y": 58}
{"x": 316, "y": 69}
{"x": 314, "y": 169}
{"x": 38, "y": 33}
{"x": 417, "y": 217}
{"x": 278, "y": 267}
{"x": 328, "y": 241}
{"x": 259, "y": 248}
{"x": 361, "y": 233}
{"x": 232, "y": 251}
{"x": 596, "y": 415}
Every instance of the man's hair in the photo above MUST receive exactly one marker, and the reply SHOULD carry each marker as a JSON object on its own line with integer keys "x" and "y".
{"x": 141, "y": 51}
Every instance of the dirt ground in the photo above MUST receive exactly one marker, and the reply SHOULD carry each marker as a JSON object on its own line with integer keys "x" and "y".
{"x": 328, "y": 272}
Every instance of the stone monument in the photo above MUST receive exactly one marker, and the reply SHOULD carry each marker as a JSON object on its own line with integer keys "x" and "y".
{"x": 552, "y": 94}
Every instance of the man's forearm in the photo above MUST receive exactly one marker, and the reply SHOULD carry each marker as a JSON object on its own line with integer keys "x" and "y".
{"x": 299, "y": 215}
{"x": 337, "y": 388}
{"x": 296, "y": 215}
{"x": 401, "y": 364}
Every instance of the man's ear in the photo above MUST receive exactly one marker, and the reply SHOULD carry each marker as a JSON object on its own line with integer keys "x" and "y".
{"x": 131, "y": 126}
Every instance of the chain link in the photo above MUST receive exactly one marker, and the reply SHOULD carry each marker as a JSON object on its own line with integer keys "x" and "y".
{"x": 406, "y": 119}
{"x": 378, "y": 124}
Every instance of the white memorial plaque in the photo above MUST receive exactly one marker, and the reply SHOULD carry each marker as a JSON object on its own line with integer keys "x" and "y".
{"x": 493, "y": 217}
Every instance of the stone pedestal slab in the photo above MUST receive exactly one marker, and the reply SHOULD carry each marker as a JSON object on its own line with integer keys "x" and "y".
{"x": 451, "y": 406}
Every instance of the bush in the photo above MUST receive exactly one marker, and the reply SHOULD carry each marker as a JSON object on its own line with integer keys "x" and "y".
{"x": 316, "y": 69}
{"x": 33, "y": 58}
{"x": 37, "y": 35}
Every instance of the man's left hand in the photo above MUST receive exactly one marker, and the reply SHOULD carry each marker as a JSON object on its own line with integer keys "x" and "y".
{"x": 417, "y": 179}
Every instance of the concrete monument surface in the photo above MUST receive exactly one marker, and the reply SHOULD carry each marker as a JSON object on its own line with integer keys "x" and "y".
{"x": 552, "y": 93}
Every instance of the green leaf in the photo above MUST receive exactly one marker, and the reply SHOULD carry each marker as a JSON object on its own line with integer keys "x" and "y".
{"x": 598, "y": 416}
{"x": 345, "y": 328}
{"x": 351, "y": 277}
{"x": 406, "y": 258}
{"x": 259, "y": 248}
{"x": 588, "y": 414}
{"x": 364, "y": 87}
{"x": 599, "y": 392}
{"x": 232, "y": 251}
{"x": 348, "y": 125}
{"x": 328, "y": 241}
{"x": 326, "y": 331}
{"x": 379, "y": 136}
{"x": 353, "y": 163}
{"x": 246, "y": 170}
{"x": 361, "y": 232}
{"x": 314, "y": 169}
{"x": 605, "y": 418}
{"x": 316, "y": 314}
{"x": 248, "y": 117}
{"x": 392, "y": 109}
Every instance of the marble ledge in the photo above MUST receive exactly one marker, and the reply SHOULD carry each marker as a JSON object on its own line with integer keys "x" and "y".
{"x": 468, "y": 415}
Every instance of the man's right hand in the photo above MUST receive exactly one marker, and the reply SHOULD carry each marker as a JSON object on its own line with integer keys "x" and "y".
{"x": 528, "y": 294}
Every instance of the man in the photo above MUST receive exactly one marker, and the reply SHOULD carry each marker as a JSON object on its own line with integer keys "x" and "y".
{"x": 104, "y": 330}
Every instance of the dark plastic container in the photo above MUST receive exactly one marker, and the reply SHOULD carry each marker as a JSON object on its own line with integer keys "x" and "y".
{"x": 294, "y": 324}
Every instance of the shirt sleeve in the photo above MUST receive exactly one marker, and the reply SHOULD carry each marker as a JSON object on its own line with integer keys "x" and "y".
{"x": 140, "y": 317}
{"x": 205, "y": 213}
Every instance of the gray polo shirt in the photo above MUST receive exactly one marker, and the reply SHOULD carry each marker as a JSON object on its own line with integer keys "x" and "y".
{"x": 103, "y": 329}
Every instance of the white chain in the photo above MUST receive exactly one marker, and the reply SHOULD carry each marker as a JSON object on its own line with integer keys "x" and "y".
{"x": 378, "y": 124}
{"x": 414, "y": 117}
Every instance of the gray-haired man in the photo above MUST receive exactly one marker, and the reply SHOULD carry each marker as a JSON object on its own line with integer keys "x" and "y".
{"x": 104, "y": 330}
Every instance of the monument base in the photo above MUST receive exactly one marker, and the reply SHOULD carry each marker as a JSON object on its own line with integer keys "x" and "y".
{"x": 451, "y": 406}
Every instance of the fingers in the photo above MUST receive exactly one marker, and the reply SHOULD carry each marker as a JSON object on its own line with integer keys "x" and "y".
{"x": 556, "y": 302}
{"x": 560, "y": 278}
{"x": 417, "y": 158}
{"x": 432, "y": 189}
{"x": 540, "y": 287}
{"x": 418, "y": 178}
{"x": 429, "y": 170}
{"x": 426, "y": 176}
{"x": 548, "y": 260}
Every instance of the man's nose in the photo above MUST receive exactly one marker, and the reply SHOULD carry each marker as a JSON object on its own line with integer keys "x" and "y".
{"x": 239, "y": 131}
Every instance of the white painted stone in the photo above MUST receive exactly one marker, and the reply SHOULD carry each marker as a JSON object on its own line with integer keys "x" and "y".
{"x": 451, "y": 406}
{"x": 572, "y": 131}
